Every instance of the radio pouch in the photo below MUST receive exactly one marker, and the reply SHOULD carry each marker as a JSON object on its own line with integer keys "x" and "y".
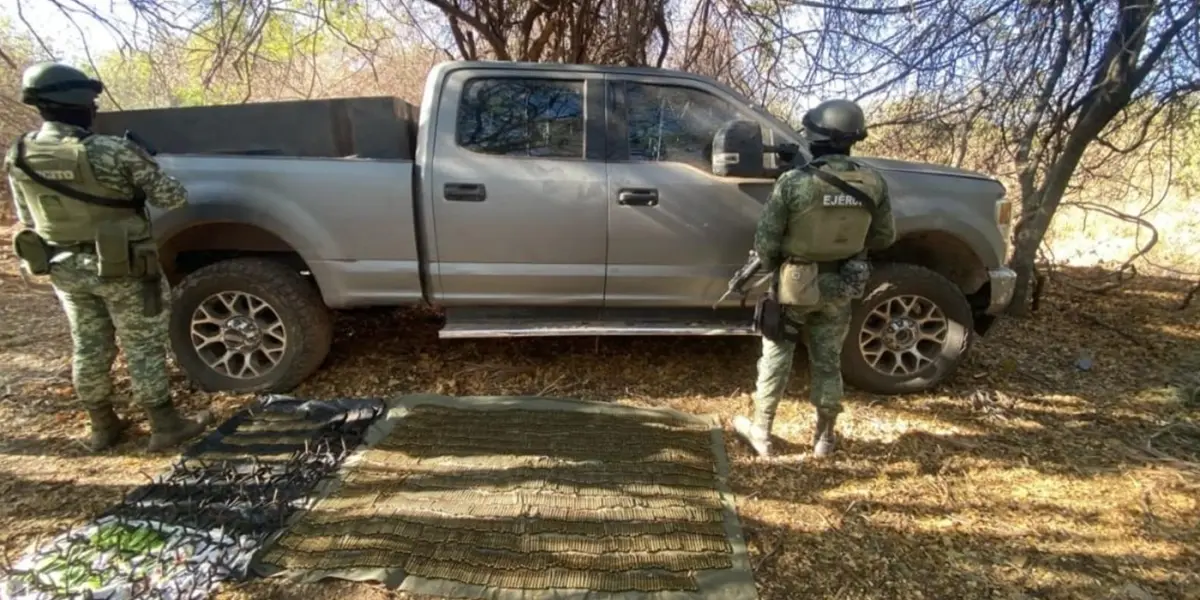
{"x": 798, "y": 285}
{"x": 33, "y": 251}
{"x": 112, "y": 251}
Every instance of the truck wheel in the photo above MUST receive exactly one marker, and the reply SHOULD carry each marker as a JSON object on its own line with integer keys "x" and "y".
{"x": 249, "y": 325}
{"x": 908, "y": 333}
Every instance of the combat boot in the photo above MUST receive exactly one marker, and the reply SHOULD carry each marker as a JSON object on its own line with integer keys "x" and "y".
{"x": 107, "y": 428}
{"x": 825, "y": 439}
{"x": 168, "y": 428}
{"x": 758, "y": 437}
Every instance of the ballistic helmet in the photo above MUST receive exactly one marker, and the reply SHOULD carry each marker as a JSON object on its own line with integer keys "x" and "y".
{"x": 835, "y": 122}
{"x": 58, "y": 84}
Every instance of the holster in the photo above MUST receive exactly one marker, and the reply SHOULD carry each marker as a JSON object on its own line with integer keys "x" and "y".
{"x": 771, "y": 320}
{"x": 118, "y": 258}
{"x": 152, "y": 301}
{"x": 33, "y": 251}
{"x": 145, "y": 266}
{"x": 143, "y": 260}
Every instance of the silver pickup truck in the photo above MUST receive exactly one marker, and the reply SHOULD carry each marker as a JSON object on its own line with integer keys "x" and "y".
{"x": 528, "y": 200}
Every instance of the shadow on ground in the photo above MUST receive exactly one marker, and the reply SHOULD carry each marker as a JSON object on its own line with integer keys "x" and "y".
{"x": 1040, "y": 470}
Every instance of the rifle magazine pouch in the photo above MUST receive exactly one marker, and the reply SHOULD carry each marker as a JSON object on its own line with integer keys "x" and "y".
{"x": 798, "y": 284}
{"x": 112, "y": 251}
{"x": 33, "y": 250}
{"x": 144, "y": 260}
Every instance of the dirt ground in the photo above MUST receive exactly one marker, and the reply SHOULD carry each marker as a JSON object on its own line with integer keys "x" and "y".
{"x": 1025, "y": 477}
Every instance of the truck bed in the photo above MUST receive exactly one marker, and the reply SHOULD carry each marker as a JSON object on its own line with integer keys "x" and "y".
{"x": 369, "y": 127}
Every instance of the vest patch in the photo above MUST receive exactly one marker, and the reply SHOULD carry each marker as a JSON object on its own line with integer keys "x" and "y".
{"x": 58, "y": 174}
{"x": 840, "y": 200}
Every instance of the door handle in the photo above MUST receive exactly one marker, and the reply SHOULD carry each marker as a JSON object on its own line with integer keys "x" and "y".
{"x": 464, "y": 192}
{"x": 637, "y": 197}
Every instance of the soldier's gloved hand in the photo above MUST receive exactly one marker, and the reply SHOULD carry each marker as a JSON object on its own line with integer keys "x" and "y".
{"x": 855, "y": 274}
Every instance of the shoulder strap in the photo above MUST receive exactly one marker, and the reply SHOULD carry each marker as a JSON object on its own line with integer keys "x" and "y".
{"x": 840, "y": 184}
{"x": 135, "y": 203}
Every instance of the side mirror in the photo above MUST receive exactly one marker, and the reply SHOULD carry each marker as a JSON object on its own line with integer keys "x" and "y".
{"x": 737, "y": 150}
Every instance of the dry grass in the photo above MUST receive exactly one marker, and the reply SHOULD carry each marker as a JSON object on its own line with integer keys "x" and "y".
{"x": 1026, "y": 477}
{"x": 1084, "y": 237}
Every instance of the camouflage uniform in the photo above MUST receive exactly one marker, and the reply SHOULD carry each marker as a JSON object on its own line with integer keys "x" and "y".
{"x": 824, "y": 326}
{"x": 96, "y": 308}
{"x": 100, "y": 309}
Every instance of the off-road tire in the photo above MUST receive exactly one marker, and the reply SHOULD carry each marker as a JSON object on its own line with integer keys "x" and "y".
{"x": 887, "y": 281}
{"x": 307, "y": 321}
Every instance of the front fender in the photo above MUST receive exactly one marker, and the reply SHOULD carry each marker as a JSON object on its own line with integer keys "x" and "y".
{"x": 963, "y": 229}
{"x": 962, "y": 207}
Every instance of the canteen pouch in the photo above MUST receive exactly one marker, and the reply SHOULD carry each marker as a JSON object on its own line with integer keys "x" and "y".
{"x": 798, "y": 285}
{"x": 112, "y": 251}
{"x": 33, "y": 251}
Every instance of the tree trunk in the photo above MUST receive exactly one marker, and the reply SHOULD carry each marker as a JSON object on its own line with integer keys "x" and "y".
{"x": 1038, "y": 211}
{"x": 1022, "y": 261}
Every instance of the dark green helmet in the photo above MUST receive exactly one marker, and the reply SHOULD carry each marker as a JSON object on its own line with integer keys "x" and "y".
{"x": 838, "y": 122}
{"x": 55, "y": 83}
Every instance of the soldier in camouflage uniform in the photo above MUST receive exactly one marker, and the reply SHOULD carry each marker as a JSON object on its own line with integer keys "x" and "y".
{"x": 816, "y": 229}
{"x": 81, "y": 200}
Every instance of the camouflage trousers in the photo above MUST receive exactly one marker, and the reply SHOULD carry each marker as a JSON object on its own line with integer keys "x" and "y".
{"x": 824, "y": 331}
{"x": 99, "y": 310}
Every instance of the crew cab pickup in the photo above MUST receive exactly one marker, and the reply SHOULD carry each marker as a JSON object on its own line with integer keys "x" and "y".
{"x": 528, "y": 200}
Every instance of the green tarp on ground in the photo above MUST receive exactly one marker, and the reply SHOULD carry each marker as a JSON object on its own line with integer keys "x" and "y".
{"x": 525, "y": 498}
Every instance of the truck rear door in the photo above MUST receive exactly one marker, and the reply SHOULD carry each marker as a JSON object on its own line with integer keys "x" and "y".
{"x": 518, "y": 188}
{"x": 676, "y": 233}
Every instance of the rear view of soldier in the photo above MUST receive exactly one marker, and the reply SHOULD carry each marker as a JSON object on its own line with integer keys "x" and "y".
{"x": 81, "y": 198}
{"x": 814, "y": 232}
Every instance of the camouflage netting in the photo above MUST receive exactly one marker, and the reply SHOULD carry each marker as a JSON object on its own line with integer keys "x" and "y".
{"x": 179, "y": 536}
{"x": 527, "y": 498}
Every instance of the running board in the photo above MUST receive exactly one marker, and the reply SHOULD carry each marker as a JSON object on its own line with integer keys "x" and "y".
{"x": 483, "y": 329}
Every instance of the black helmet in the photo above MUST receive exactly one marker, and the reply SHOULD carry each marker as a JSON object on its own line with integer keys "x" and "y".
{"x": 836, "y": 122}
{"x": 55, "y": 83}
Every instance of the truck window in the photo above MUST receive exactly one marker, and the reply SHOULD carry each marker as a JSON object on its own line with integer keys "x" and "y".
{"x": 522, "y": 117}
{"x": 672, "y": 123}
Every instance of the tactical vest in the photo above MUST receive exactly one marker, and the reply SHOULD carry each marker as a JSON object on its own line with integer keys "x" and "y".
{"x": 62, "y": 220}
{"x": 834, "y": 224}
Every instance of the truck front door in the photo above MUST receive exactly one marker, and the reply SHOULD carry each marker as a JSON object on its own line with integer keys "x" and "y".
{"x": 676, "y": 232}
{"x": 518, "y": 189}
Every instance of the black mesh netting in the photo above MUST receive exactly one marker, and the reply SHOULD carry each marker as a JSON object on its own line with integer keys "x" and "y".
{"x": 199, "y": 524}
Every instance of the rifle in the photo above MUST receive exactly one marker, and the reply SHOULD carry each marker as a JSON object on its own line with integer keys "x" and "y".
{"x": 737, "y": 283}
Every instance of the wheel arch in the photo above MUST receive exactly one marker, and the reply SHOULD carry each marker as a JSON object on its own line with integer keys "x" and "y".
{"x": 203, "y": 244}
{"x": 943, "y": 253}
